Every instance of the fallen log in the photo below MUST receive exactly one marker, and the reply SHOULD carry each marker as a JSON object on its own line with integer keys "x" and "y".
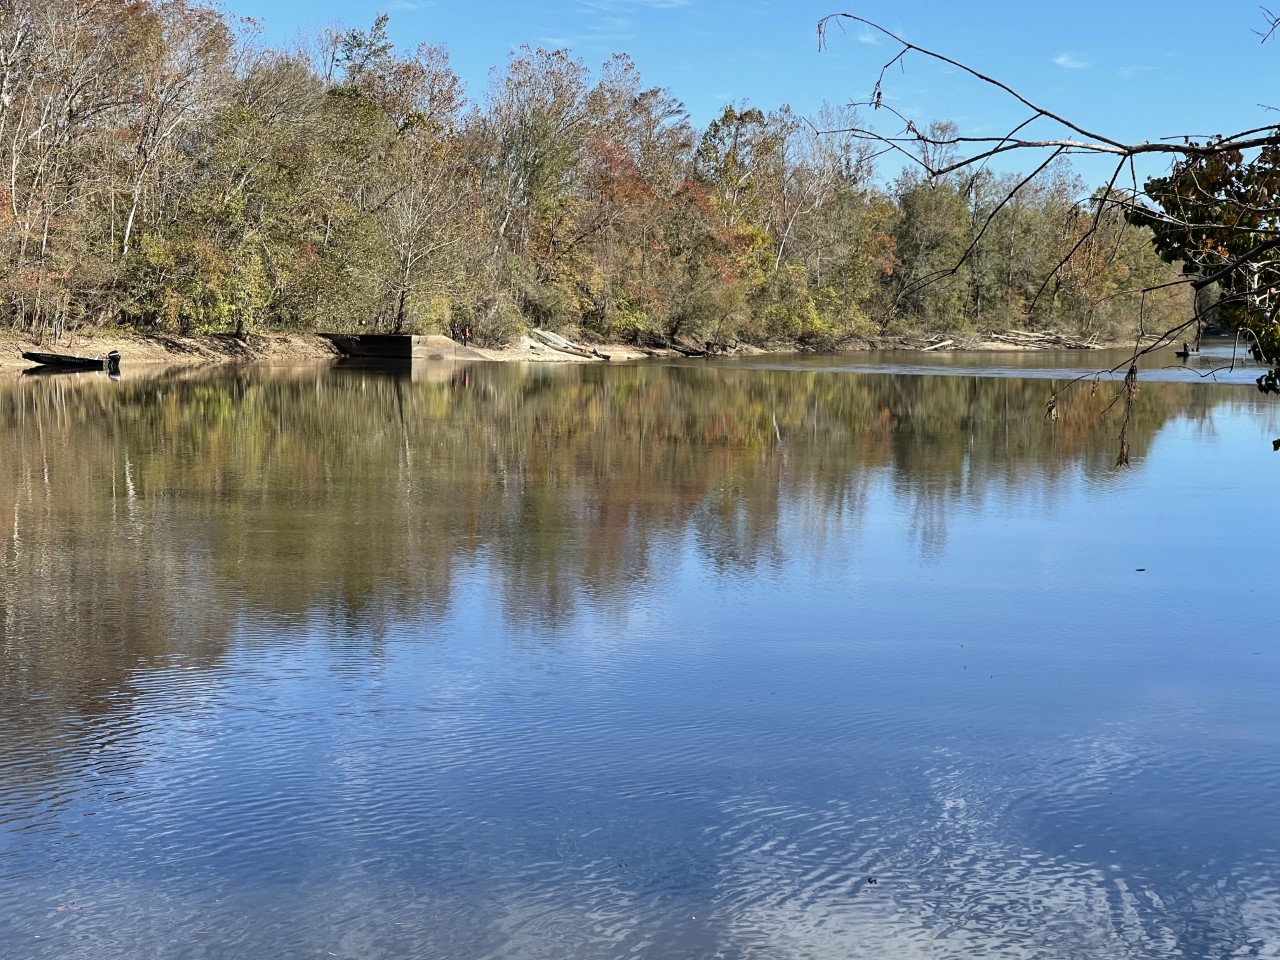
{"x": 1024, "y": 338}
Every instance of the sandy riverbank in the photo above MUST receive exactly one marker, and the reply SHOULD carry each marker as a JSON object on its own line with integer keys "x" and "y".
{"x": 301, "y": 348}
{"x": 273, "y": 348}
{"x": 174, "y": 350}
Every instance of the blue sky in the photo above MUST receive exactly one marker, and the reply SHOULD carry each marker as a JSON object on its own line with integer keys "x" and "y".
{"x": 1133, "y": 69}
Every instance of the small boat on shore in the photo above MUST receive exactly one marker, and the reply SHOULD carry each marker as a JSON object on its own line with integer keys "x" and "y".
{"x": 557, "y": 342}
{"x": 66, "y": 361}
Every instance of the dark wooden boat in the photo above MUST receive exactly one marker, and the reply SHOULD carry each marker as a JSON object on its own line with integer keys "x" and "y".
{"x": 66, "y": 361}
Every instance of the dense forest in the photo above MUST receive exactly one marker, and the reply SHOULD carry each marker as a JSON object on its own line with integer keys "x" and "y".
{"x": 166, "y": 171}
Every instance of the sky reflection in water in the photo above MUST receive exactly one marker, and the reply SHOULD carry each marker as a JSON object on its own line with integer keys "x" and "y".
{"x": 634, "y": 661}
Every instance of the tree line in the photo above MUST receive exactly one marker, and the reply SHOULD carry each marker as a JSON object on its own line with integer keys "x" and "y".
{"x": 165, "y": 171}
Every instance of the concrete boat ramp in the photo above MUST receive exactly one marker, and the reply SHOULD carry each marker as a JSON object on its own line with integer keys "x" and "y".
{"x": 391, "y": 346}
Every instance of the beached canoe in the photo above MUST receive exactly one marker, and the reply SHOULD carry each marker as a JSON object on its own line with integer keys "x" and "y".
{"x": 67, "y": 361}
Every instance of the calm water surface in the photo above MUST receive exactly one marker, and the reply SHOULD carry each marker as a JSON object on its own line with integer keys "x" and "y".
{"x": 638, "y": 661}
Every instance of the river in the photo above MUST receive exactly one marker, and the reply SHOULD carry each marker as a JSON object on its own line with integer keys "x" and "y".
{"x": 778, "y": 658}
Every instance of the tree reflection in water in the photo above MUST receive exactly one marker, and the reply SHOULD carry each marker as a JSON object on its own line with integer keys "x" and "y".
{"x": 144, "y": 514}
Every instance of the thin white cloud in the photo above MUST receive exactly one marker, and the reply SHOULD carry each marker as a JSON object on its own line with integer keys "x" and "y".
{"x": 624, "y": 6}
{"x": 612, "y": 22}
{"x": 606, "y": 28}
{"x": 1129, "y": 73}
{"x": 1069, "y": 61}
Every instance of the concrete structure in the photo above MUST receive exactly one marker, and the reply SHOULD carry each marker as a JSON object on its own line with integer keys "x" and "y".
{"x": 392, "y": 346}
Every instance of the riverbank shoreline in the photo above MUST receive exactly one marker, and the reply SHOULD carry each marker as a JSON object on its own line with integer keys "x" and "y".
{"x": 303, "y": 348}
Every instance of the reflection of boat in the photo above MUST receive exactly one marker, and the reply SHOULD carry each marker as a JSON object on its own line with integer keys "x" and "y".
{"x": 64, "y": 361}
{"x": 48, "y": 371}
{"x": 557, "y": 342}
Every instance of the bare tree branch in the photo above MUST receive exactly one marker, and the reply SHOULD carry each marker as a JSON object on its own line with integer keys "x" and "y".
{"x": 1217, "y": 212}
{"x": 1273, "y": 22}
